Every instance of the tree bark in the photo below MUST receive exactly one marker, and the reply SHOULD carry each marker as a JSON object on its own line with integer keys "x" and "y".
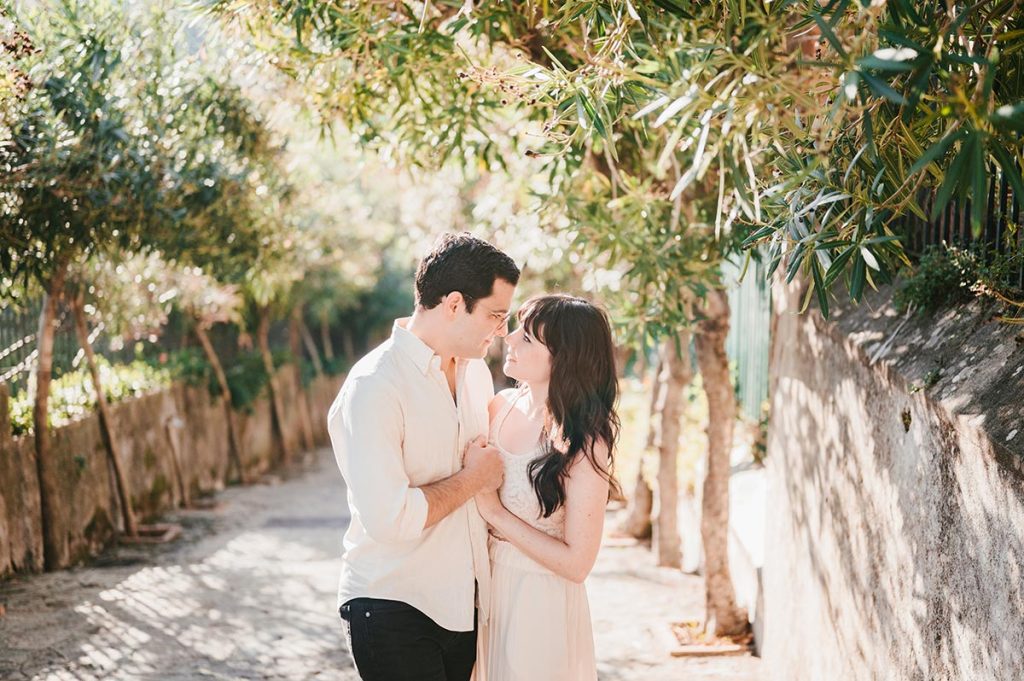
{"x": 295, "y": 346}
{"x": 234, "y": 442}
{"x": 724, "y": 617}
{"x": 131, "y": 527}
{"x": 5, "y": 415}
{"x": 676, "y": 373}
{"x": 172, "y": 424}
{"x": 314, "y": 354}
{"x": 56, "y": 551}
{"x": 638, "y": 522}
{"x": 348, "y": 345}
{"x": 325, "y": 338}
{"x": 276, "y": 408}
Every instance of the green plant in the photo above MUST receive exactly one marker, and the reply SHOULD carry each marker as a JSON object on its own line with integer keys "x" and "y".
{"x": 73, "y": 397}
{"x": 247, "y": 380}
{"x": 943, "y": 277}
{"x": 188, "y": 366}
{"x": 335, "y": 366}
{"x": 946, "y": 276}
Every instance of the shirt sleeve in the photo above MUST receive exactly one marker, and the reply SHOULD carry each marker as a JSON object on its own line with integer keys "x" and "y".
{"x": 366, "y": 428}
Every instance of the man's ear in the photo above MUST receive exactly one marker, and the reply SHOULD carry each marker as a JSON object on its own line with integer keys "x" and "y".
{"x": 452, "y": 302}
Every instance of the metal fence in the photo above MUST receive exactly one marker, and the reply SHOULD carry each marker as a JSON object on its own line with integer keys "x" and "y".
{"x": 749, "y": 334}
{"x": 1002, "y": 233}
{"x": 19, "y": 327}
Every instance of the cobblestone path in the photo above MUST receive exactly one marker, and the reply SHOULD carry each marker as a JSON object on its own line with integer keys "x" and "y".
{"x": 248, "y": 593}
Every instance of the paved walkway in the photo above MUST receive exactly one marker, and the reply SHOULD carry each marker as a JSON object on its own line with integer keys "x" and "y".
{"x": 248, "y": 593}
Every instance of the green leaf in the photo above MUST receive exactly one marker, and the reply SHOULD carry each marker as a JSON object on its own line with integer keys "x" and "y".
{"x": 757, "y": 236}
{"x": 857, "y": 279}
{"x": 819, "y": 287}
{"x": 979, "y": 187}
{"x": 1010, "y": 169}
{"x": 581, "y": 114}
{"x": 795, "y": 260}
{"x": 883, "y": 89}
{"x": 936, "y": 151}
{"x": 839, "y": 265}
{"x": 952, "y": 179}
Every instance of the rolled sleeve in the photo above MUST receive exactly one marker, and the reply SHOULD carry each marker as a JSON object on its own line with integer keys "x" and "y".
{"x": 365, "y": 426}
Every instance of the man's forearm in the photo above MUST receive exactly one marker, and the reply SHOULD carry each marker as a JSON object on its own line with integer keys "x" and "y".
{"x": 444, "y": 496}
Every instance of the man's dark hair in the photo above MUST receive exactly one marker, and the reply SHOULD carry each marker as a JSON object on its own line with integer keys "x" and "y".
{"x": 463, "y": 263}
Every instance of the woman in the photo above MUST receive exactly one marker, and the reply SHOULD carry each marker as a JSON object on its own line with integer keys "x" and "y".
{"x": 556, "y": 433}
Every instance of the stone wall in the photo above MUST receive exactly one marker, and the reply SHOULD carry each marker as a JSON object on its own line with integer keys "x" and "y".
{"x": 895, "y": 520}
{"x": 145, "y": 428}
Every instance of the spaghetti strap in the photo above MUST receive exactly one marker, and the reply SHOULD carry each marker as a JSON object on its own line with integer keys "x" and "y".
{"x": 499, "y": 420}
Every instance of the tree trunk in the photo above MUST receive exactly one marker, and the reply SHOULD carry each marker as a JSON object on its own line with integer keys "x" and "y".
{"x": 676, "y": 373}
{"x": 325, "y": 338}
{"x": 276, "y": 408}
{"x": 172, "y": 424}
{"x": 5, "y": 415}
{"x": 723, "y": 615}
{"x": 131, "y": 527}
{"x": 295, "y": 346}
{"x": 234, "y": 442}
{"x": 638, "y": 523}
{"x": 348, "y": 345}
{"x": 56, "y": 551}
{"x": 314, "y": 354}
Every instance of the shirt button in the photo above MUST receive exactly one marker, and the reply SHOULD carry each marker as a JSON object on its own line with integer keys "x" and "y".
{"x": 367, "y": 614}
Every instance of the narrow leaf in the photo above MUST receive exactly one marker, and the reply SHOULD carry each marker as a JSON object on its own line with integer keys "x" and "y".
{"x": 936, "y": 151}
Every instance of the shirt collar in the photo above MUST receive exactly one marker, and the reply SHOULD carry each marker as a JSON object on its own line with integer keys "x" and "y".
{"x": 422, "y": 355}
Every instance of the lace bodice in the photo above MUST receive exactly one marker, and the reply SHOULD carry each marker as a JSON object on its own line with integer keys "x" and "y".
{"x": 516, "y": 492}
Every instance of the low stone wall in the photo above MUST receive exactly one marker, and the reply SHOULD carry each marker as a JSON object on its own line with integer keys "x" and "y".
{"x": 183, "y": 422}
{"x": 895, "y": 523}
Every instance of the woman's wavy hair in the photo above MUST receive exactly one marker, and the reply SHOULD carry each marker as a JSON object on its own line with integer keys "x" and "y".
{"x": 581, "y": 394}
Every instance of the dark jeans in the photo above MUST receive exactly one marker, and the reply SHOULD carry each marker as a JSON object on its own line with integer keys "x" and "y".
{"x": 393, "y": 641}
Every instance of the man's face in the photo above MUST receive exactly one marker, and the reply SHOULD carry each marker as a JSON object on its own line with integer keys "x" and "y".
{"x": 473, "y": 332}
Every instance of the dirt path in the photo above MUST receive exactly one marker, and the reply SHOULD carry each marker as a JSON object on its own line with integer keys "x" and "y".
{"x": 248, "y": 593}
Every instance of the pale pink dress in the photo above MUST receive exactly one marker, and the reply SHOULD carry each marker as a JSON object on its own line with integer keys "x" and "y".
{"x": 540, "y": 627}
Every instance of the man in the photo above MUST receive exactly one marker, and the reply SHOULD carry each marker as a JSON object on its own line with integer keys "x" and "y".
{"x": 409, "y": 431}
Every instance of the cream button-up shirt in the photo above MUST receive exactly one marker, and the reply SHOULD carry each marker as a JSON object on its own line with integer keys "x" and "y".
{"x": 395, "y": 428}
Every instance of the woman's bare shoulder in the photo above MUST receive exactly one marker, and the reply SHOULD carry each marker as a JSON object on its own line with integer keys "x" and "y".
{"x": 500, "y": 400}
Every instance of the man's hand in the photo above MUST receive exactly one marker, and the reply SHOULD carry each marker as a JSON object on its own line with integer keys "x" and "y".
{"x": 482, "y": 471}
{"x": 483, "y": 462}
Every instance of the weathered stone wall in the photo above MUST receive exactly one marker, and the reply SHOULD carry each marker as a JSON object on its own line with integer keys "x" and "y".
{"x": 895, "y": 524}
{"x": 145, "y": 429}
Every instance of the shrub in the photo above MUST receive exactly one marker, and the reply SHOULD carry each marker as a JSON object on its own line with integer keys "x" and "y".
{"x": 72, "y": 396}
{"x": 949, "y": 275}
{"x": 943, "y": 277}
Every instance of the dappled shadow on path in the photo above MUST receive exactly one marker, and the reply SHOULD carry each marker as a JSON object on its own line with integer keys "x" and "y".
{"x": 254, "y": 601}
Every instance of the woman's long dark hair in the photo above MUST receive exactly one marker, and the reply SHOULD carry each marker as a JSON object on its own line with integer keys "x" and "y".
{"x": 581, "y": 393}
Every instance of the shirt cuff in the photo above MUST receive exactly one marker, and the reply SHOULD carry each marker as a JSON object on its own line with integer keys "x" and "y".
{"x": 415, "y": 516}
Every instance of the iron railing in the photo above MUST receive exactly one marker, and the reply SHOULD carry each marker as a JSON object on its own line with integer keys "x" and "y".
{"x": 1001, "y": 235}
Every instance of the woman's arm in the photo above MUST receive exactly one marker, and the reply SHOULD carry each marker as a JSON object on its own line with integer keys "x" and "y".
{"x": 586, "y": 495}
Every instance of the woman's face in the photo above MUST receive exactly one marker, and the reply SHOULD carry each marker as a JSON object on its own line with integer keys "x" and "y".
{"x": 526, "y": 358}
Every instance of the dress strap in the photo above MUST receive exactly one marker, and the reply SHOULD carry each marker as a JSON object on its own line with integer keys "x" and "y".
{"x": 499, "y": 420}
